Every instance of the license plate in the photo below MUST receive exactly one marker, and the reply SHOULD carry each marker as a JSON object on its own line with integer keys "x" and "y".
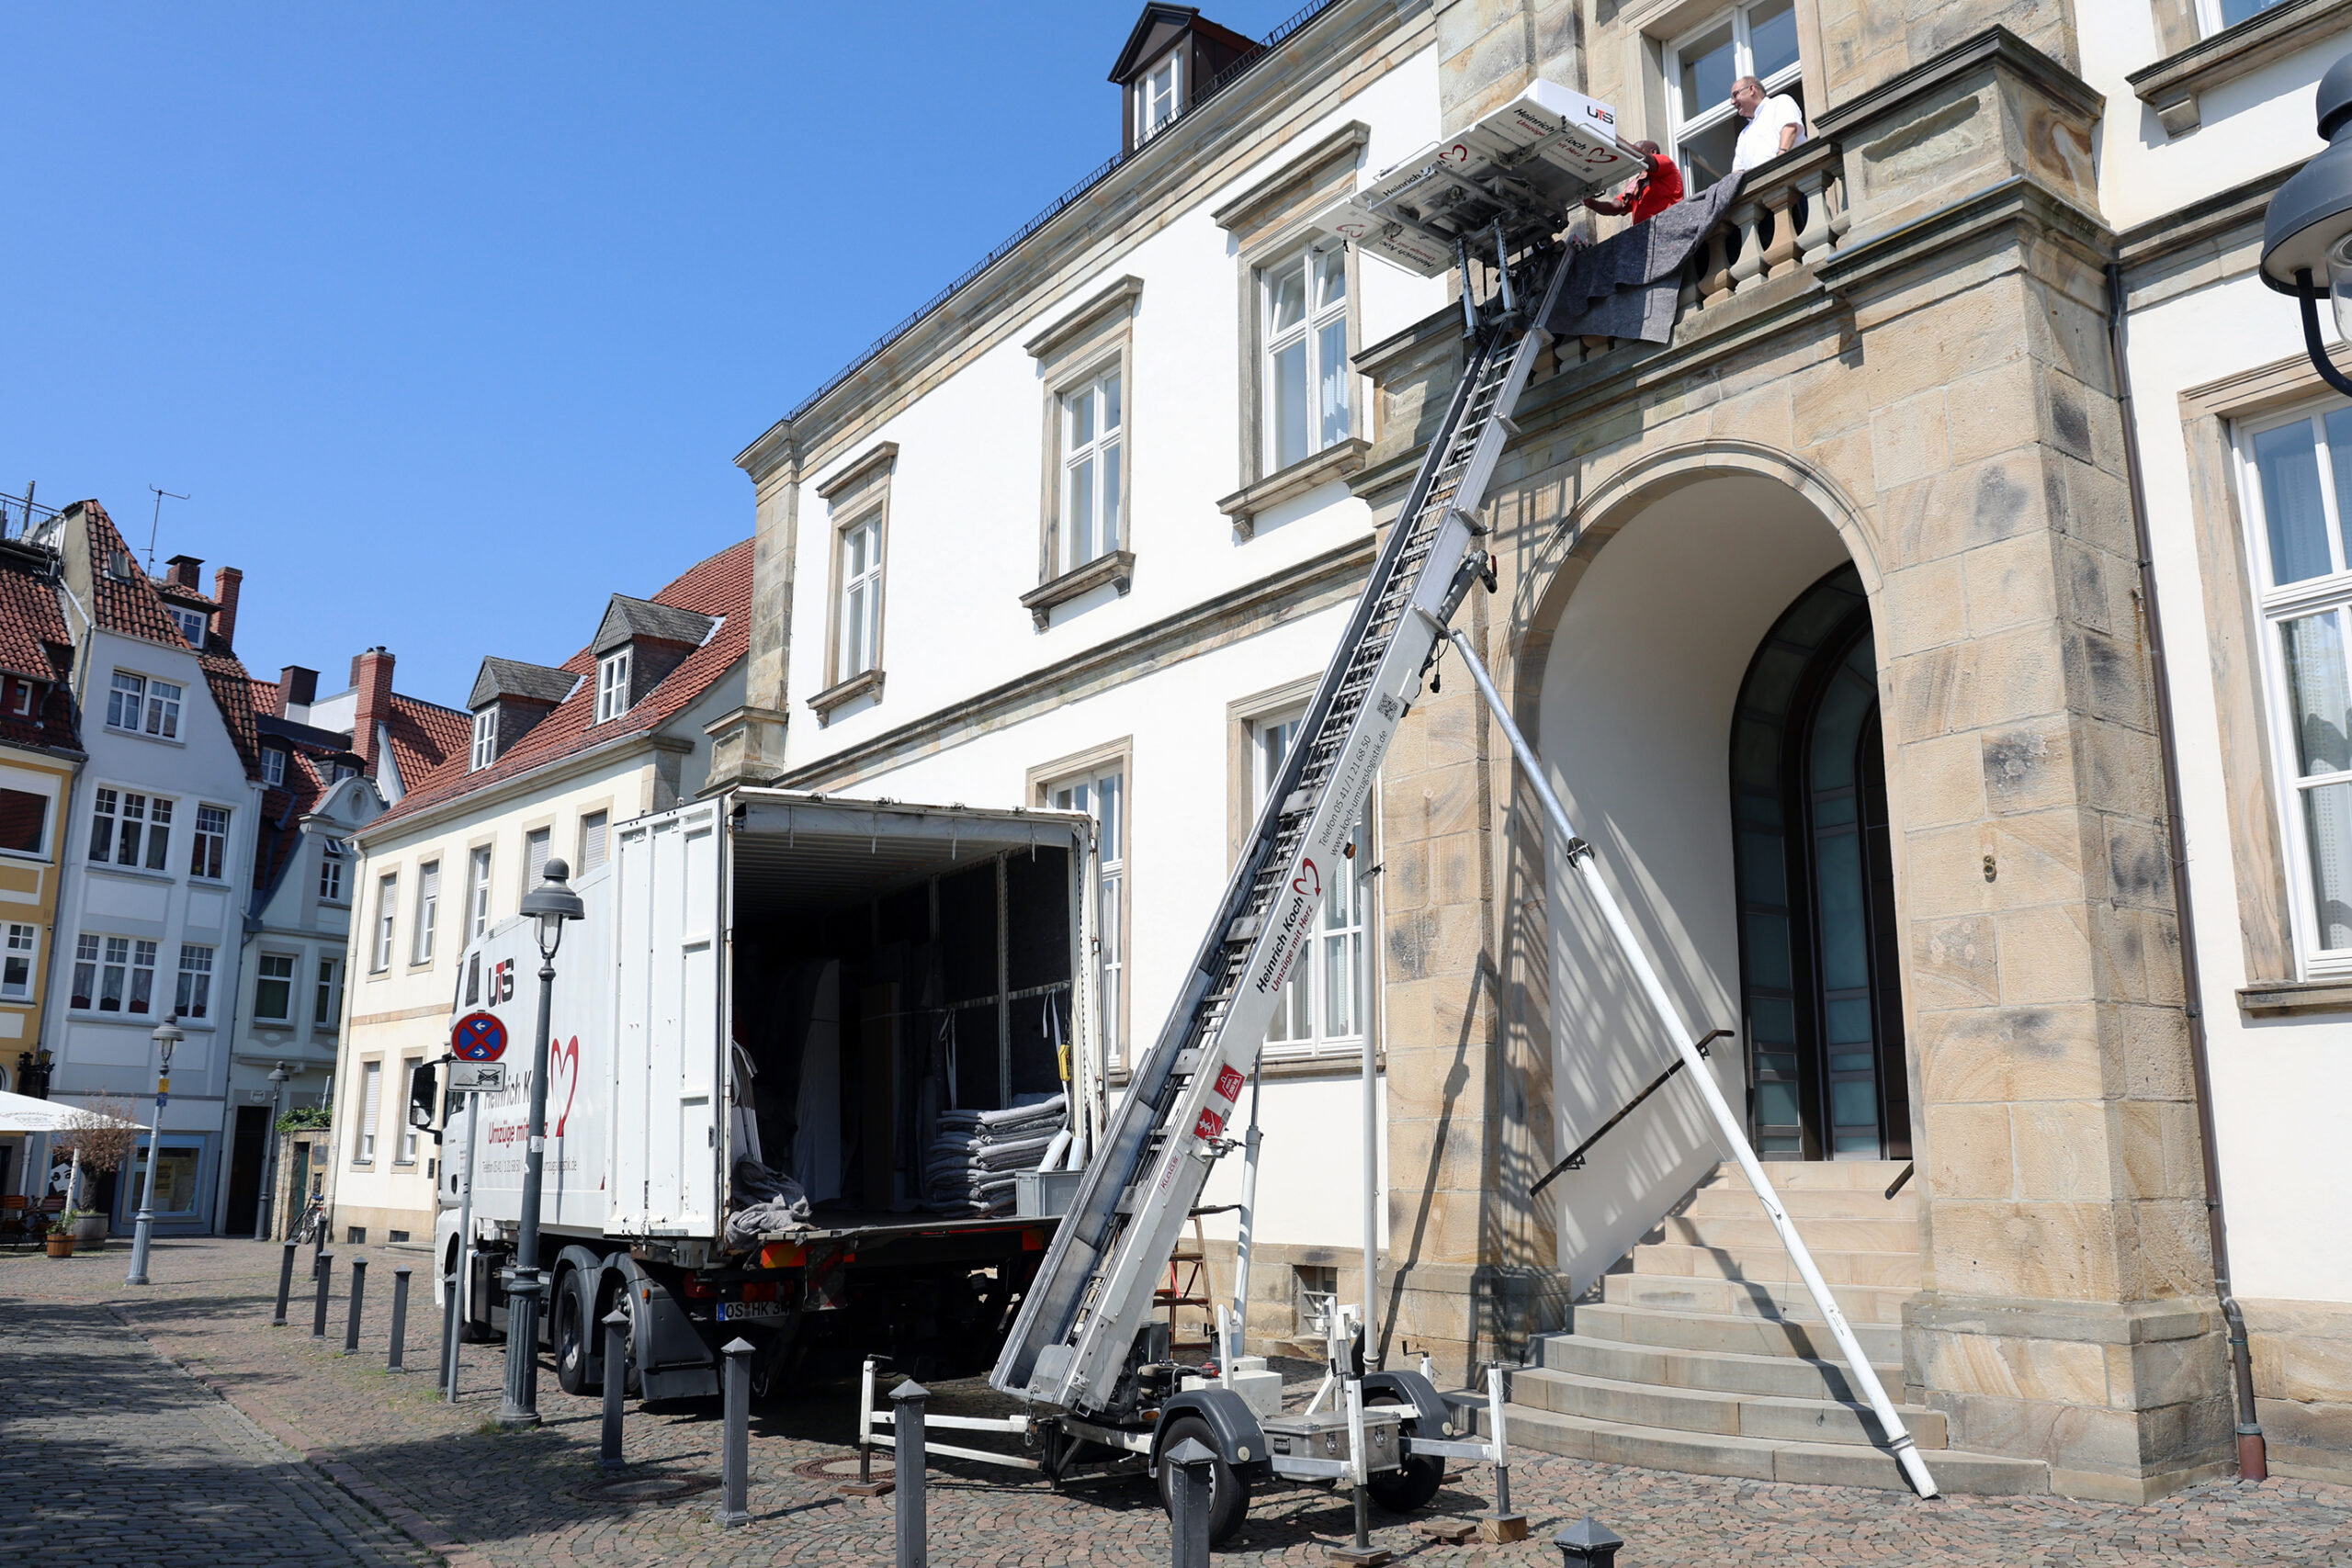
{"x": 736, "y": 1311}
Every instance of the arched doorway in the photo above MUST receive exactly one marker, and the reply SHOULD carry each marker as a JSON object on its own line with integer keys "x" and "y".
{"x": 1814, "y": 870}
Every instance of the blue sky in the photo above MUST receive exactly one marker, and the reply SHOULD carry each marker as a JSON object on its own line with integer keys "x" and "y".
{"x": 450, "y": 319}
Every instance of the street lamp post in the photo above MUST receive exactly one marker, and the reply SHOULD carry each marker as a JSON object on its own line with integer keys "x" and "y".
{"x": 277, "y": 1076}
{"x": 2307, "y": 232}
{"x": 550, "y": 903}
{"x": 167, "y": 1037}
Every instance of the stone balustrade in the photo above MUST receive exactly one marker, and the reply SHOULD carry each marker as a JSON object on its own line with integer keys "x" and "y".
{"x": 1791, "y": 212}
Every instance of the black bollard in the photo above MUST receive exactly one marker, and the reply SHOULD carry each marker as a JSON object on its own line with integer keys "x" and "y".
{"x": 914, "y": 1547}
{"x": 1194, "y": 1472}
{"x": 399, "y": 1321}
{"x": 323, "y": 1271}
{"x": 615, "y": 1387}
{"x": 735, "y": 1451}
{"x": 1588, "y": 1543}
{"x": 351, "y": 1325}
{"x": 285, "y": 1283}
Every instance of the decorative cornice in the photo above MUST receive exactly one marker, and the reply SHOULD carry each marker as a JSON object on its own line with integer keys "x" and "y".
{"x": 1243, "y": 211}
{"x": 1117, "y": 568}
{"x": 2296, "y": 995}
{"x": 1121, "y": 295}
{"x": 866, "y": 682}
{"x": 763, "y": 456}
{"x": 2170, "y": 86}
{"x": 880, "y": 455}
{"x": 2205, "y": 219}
{"x": 1994, "y": 47}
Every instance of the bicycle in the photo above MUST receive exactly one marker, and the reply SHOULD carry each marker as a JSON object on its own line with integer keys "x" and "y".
{"x": 313, "y": 1222}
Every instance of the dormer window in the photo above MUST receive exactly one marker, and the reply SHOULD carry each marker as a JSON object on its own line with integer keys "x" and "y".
{"x": 485, "y": 749}
{"x": 273, "y": 767}
{"x": 1158, "y": 95}
{"x": 612, "y": 684}
{"x": 23, "y": 697}
{"x": 191, "y": 623}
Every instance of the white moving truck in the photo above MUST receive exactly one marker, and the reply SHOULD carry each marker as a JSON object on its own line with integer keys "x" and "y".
{"x": 773, "y": 990}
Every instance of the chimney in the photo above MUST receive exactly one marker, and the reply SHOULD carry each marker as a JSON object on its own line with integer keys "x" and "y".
{"x": 297, "y": 688}
{"x": 371, "y": 678}
{"x": 226, "y": 581}
{"x": 181, "y": 571}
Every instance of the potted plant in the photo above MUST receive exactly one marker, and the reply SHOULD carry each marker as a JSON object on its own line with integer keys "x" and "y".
{"x": 61, "y": 1233}
{"x": 100, "y": 1138}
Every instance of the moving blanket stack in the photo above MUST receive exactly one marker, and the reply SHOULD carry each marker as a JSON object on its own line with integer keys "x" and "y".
{"x": 972, "y": 1163}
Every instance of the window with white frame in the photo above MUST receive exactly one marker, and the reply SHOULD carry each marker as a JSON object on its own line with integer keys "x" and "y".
{"x": 388, "y": 896}
{"x": 1759, "y": 41}
{"x": 23, "y": 697}
{"x": 2214, "y": 15}
{"x": 192, "y": 624}
{"x": 274, "y": 988}
{"x": 2296, "y": 475}
{"x": 536, "y": 844}
{"x": 477, "y": 892}
{"x": 131, "y": 828}
{"x": 612, "y": 684}
{"x": 1305, "y": 383}
{"x": 858, "y": 617}
{"x": 371, "y": 1104}
{"x": 1321, "y": 1006}
{"x": 113, "y": 974}
{"x": 485, "y": 749}
{"x": 428, "y": 912}
{"x": 326, "y": 1003}
{"x": 1159, "y": 95}
{"x": 330, "y": 870}
{"x": 17, "y": 962}
{"x": 194, "y": 996}
{"x": 139, "y": 706}
{"x": 592, "y": 837}
{"x": 210, "y": 851}
{"x": 409, "y": 1068}
{"x": 1101, "y": 795}
{"x": 1092, "y": 447}
{"x": 273, "y": 767}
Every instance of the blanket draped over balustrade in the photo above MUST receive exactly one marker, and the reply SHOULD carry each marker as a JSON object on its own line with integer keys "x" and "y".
{"x": 1626, "y": 285}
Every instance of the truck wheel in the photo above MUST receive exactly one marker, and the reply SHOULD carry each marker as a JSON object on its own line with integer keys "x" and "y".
{"x": 570, "y": 1333}
{"x": 1228, "y": 1494}
{"x": 1413, "y": 1483}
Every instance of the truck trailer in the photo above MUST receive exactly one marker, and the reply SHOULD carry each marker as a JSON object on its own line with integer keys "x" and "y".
{"x": 786, "y": 1036}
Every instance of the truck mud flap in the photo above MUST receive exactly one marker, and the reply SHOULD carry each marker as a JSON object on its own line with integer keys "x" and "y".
{"x": 672, "y": 1360}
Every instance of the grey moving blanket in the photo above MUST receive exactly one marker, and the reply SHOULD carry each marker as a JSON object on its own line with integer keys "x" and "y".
{"x": 1625, "y": 286}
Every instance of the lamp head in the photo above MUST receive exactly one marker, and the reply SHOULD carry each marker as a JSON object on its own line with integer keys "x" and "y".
{"x": 551, "y": 903}
{"x": 279, "y": 1074}
{"x": 2308, "y": 228}
{"x": 168, "y": 1036}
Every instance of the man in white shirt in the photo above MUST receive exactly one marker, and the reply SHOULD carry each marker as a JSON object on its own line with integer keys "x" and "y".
{"x": 1774, "y": 124}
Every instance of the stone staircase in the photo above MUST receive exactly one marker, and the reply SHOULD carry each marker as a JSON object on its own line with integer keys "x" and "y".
{"x": 1706, "y": 1354}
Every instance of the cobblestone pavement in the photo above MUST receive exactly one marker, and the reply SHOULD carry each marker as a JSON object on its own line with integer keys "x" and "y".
{"x": 480, "y": 1498}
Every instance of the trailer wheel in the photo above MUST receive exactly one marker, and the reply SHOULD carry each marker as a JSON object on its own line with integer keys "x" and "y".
{"x": 1411, "y": 1485}
{"x": 1228, "y": 1494}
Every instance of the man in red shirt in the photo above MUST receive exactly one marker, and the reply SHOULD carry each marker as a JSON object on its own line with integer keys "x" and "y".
{"x": 1658, "y": 188}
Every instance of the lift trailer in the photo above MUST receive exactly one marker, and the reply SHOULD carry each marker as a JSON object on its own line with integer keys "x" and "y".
{"x": 1489, "y": 203}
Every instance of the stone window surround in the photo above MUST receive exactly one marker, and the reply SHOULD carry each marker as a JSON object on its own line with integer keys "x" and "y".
{"x": 1648, "y": 29}
{"x": 1241, "y": 717}
{"x": 1269, "y": 220}
{"x": 2193, "y": 66}
{"x": 858, "y": 493}
{"x": 1096, "y": 338}
{"x": 2235, "y": 628}
{"x": 1036, "y": 787}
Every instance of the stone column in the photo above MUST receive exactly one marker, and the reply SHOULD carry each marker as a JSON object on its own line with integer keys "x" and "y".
{"x": 747, "y": 745}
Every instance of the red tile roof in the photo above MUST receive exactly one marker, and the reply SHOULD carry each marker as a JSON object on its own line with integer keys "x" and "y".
{"x": 426, "y": 737}
{"x": 720, "y": 586}
{"x": 36, "y": 643}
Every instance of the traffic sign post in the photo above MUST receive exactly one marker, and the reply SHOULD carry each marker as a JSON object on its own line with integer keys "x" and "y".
{"x": 476, "y": 1044}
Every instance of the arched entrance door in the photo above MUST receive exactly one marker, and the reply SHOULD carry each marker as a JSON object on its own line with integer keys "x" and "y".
{"x": 1818, "y": 940}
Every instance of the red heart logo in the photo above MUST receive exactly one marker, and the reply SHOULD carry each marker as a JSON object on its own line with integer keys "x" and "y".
{"x": 563, "y": 1066}
{"x": 1307, "y": 874}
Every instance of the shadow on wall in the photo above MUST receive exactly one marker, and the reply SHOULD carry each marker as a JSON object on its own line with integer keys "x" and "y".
{"x": 1635, "y": 717}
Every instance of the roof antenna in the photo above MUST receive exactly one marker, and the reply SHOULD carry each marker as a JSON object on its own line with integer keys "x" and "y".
{"x": 157, "y": 522}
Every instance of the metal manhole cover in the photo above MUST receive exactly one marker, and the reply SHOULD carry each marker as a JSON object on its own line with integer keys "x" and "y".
{"x": 835, "y": 1467}
{"x": 646, "y": 1489}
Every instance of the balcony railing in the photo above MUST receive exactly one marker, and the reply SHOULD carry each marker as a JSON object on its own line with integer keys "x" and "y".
{"x": 19, "y": 515}
{"x": 1792, "y": 211}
